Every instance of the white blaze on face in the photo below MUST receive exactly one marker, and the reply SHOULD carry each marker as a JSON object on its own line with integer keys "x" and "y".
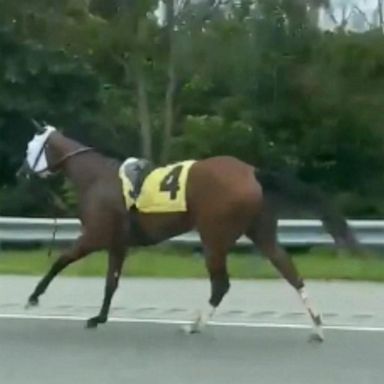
{"x": 36, "y": 156}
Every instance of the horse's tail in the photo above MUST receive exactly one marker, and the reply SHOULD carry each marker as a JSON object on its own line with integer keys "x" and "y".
{"x": 287, "y": 191}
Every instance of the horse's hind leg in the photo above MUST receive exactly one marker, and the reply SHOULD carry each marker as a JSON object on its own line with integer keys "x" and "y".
{"x": 219, "y": 278}
{"x": 264, "y": 234}
{"x": 217, "y": 237}
{"x": 80, "y": 249}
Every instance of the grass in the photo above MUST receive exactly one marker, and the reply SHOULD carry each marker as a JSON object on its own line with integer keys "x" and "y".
{"x": 180, "y": 263}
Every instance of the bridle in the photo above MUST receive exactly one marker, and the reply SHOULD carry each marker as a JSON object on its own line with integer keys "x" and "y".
{"x": 61, "y": 161}
{"x": 51, "y": 169}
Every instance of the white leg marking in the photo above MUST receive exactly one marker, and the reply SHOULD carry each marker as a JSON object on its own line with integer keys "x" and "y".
{"x": 315, "y": 316}
{"x": 201, "y": 319}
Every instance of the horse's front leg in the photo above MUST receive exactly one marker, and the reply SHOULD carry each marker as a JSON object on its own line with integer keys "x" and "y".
{"x": 81, "y": 248}
{"x": 115, "y": 264}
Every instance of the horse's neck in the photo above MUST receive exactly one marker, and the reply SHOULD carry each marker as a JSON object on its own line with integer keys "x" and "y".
{"x": 85, "y": 168}
{"x": 82, "y": 170}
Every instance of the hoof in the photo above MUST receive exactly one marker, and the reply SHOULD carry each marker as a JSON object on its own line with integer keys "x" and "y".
{"x": 32, "y": 302}
{"x": 196, "y": 326}
{"x": 93, "y": 322}
{"x": 318, "y": 333}
{"x": 191, "y": 329}
{"x": 317, "y": 336}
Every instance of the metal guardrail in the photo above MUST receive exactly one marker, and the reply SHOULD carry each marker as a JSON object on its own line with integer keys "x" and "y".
{"x": 297, "y": 233}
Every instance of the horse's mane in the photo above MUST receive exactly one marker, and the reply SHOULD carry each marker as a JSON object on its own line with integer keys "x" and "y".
{"x": 113, "y": 162}
{"x": 107, "y": 158}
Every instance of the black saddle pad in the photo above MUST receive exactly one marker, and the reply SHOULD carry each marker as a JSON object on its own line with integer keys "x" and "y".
{"x": 136, "y": 172}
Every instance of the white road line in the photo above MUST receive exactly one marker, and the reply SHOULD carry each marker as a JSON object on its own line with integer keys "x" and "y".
{"x": 184, "y": 322}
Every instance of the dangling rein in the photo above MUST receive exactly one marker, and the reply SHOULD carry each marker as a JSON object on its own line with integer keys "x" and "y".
{"x": 55, "y": 166}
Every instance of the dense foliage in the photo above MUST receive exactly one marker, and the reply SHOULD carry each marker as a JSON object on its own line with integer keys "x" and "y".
{"x": 256, "y": 79}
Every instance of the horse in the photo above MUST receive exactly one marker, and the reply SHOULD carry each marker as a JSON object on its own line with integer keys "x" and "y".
{"x": 225, "y": 197}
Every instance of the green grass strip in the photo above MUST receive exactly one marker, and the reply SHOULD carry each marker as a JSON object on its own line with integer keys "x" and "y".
{"x": 181, "y": 263}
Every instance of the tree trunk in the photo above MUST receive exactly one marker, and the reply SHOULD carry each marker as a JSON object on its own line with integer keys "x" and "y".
{"x": 143, "y": 110}
{"x": 380, "y": 13}
{"x": 314, "y": 15}
{"x": 171, "y": 85}
{"x": 142, "y": 93}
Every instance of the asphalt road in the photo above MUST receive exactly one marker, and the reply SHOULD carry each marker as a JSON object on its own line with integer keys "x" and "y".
{"x": 62, "y": 352}
{"x": 261, "y": 340}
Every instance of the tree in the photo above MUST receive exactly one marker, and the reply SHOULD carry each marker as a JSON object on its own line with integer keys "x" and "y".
{"x": 40, "y": 83}
{"x": 171, "y": 81}
{"x": 132, "y": 53}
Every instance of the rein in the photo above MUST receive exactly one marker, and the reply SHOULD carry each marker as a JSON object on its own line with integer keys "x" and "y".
{"x": 56, "y": 165}
{"x": 72, "y": 154}
{"x": 65, "y": 158}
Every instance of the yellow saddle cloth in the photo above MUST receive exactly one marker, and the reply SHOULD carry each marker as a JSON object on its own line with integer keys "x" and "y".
{"x": 163, "y": 190}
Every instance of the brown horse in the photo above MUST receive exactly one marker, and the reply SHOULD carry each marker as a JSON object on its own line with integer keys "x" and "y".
{"x": 224, "y": 200}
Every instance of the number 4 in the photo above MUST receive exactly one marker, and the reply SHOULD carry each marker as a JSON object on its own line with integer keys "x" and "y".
{"x": 170, "y": 182}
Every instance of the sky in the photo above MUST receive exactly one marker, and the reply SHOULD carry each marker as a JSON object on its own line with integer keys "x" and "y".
{"x": 355, "y": 21}
{"x": 367, "y": 4}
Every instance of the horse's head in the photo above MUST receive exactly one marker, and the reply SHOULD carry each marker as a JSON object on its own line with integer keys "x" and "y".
{"x": 48, "y": 151}
{"x": 37, "y": 157}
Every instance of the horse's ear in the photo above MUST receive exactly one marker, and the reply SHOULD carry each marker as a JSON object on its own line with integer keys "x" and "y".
{"x": 39, "y": 128}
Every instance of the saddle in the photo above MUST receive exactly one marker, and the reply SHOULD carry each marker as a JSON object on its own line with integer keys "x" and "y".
{"x": 136, "y": 170}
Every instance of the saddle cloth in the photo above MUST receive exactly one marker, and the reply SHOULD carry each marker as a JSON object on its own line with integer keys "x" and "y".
{"x": 159, "y": 190}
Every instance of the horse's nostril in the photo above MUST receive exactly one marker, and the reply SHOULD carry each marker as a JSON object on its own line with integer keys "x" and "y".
{"x": 19, "y": 173}
{"x": 22, "y": 172}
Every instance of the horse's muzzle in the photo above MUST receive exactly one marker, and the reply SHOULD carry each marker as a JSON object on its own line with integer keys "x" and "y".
{"x": 24, "y": 172}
